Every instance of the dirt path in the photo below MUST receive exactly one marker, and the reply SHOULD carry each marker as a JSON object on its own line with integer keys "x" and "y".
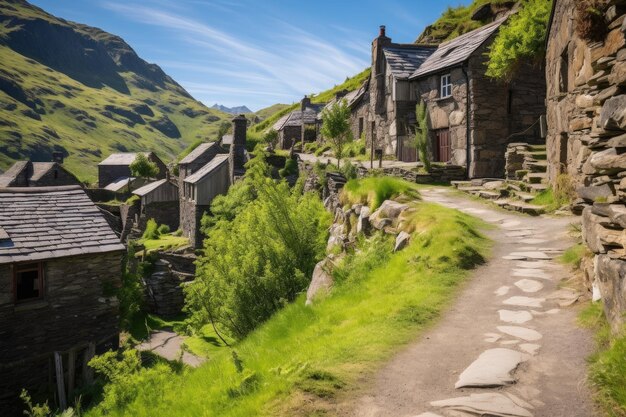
{"x": 510, "y": 342}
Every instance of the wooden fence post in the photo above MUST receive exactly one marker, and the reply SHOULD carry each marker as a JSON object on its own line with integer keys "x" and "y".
{"x": 71, "y": 370}
{"x": 87, "y": 371}
{"x": 58, "y": 362}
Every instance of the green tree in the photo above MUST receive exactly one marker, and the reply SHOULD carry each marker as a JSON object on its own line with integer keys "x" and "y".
{"x": 522, "y": 39}
{"x": 260, "y": 260}
{"x": 336, "y": 127}
{"x": 271, "y": 137}
{"x": 422, "y": 134}
{"x": 143, "y": 167}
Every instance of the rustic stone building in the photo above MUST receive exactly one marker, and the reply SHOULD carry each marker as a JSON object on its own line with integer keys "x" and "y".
{"x": 586, "y": 78}
{"x": 196, "y": 159}
{"x": 159, "y": 200}
{"x": 358, "y": 101}
{"x": 304, "y": 122}
{"x": 116, "y": 167}
{"x": 60, "y": 263}
{"x": 37, "y": 174}
{"x": 472, "y": 117}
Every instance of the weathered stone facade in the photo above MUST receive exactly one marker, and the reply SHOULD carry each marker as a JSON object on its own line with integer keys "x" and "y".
{"x": 78, "y": 308}
{"x": 586, "y": 132}
{"x": 118, "y": 166}
{"x": 190, "y": 220}
{"x": 164, "y": 287}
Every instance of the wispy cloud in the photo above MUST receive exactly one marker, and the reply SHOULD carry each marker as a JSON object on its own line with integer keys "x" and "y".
{"x": 285, "y": 62}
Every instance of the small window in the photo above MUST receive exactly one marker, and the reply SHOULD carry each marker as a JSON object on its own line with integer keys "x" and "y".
{"x": 28, "y": 282}
{"x": 564, "y": 72}
{"x": 446, "y": 86}
{"x": 360, "y": 127}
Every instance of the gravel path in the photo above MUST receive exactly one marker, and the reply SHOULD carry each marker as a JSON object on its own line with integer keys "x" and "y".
{"x": 509, "y": 346}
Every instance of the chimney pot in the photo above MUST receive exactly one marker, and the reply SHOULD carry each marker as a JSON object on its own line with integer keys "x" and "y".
{"x": 382, "y": 30}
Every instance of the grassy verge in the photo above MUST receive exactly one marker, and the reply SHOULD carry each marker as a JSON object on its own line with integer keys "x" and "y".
{"x": 573, "y": 255}
{"x": 300, "y": 359}
{"x": 607, "y": 366}
{"x": 168, "y": 241}
{"x": 374, "y": 190}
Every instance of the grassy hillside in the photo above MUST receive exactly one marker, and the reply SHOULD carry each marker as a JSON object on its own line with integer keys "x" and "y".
{"x": 349, "y": 84}
{"x": 304, "y": 356}
{"x": 79, "y": 90}
{"x": 268, "y": 111}
{"x": 456, "y": 21}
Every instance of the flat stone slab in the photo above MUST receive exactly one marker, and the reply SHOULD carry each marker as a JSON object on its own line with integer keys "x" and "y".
{"x": 533, "y": 241}
{"x": 524, "y": 333}
{"x": 492, "y": 337}
{"x": 493, "y": 368}
{"x": 534, "y": 265}
{"x": 530, "y": 348}
{"x": 509, "y": 224}
{"x": 529, "y": 285}
{"x": 503, "y": 290}
{"x": 515, "y": 317}
{"x": 531, "y": 273}
{"x": 524, "y": 301}
{"x": 487, "y": 404}
{"x": 168, "y": 345}
{"x": 528, "y": 255}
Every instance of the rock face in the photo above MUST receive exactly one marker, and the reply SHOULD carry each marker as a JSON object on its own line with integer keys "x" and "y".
{"x": 322, "y": 280}
{"x": 585, "y": 81}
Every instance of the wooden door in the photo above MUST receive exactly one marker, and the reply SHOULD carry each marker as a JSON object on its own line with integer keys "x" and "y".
{"x": 443, "y": 145}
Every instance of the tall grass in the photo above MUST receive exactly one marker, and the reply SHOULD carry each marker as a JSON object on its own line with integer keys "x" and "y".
{"x": 372, "y": 191}
{"x": 607, "y": 366}
{"x": 301, "y": 358}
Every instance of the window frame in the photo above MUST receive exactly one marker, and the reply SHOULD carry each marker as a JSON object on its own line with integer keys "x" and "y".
{"x": 445, "y": 90}
{"x": 27, "y": 267}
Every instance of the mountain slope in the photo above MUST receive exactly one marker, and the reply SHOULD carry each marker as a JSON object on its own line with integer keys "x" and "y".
{"x": 231, "y": 110}
{"x": 72, "y": 88}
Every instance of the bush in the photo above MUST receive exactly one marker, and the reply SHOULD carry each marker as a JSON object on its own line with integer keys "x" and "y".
{"x": 152, "y": 230}
{"x": 521, "y": 39}
{"x": 143, "y": 167}
{"x": 320, "y": 150}
{"x": 163, "y": 229}
{"x": 291, "y": 168}
{"x": 374, "y": 190}
{"x": 240, "y": 282}
{"x": 349, "y": 171}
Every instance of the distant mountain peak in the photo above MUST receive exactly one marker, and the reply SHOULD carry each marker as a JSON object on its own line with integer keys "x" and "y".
{"x": 231, "y": 110}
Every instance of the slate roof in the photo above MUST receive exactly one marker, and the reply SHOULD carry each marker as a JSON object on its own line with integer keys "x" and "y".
{"x": 351, "y": 98}
{"x": 125, "y": 158}
{"x": 227, "y": 140}
{"x": 148, "y": 188}
{"x": 404, "y": 60}
{"x": 207, "y": 169}
{"x": 51, "y": 222}
{"x": 12, "y": 173}
{"x": 295, "y": 117}
{"x": 118, "y": 184}
{"x": 197, "y": 152}
{"x": 458, "y": 50}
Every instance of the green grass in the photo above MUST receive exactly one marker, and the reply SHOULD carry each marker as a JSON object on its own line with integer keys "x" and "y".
{"x": 304, "y": 356}
{"x": 374, "y": 190}
{"x": 573, "y": 255}
{"x": 169, "y": 241}
{"x": 607, "y": 366}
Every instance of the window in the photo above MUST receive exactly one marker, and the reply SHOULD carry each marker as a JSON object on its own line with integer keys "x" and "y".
{"x": 360, "y": 127}
{"x": 446, "y": 86}
{"x": 564, "y": 71}
{"x": 28, "y": 282}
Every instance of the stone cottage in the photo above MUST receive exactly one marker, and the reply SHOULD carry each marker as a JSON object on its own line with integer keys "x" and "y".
{"x": 472, "y": 117}
{"x": 586, "y": 144}
{"x": 60, "y": 263}
{"x": 159, "y": 200}
{"x": 196, "y": 159}
{"x": 37, "y": 174}
{"x": 117, "y": 167}
{"x": 214, "y": 178}
{"x": 358, "y": 101}
{"x": 301, "y": 123}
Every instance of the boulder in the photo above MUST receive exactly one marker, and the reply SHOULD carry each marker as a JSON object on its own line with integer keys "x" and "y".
{"x": 610, "y": 278}
{"x": 613, "y": 113}
{"x": 617, "y": 141}
{"x": 337, "y": 237}
{"x": 322, "y": 280}
{"x": 402, "y": 240}
{"x": 363, "y": 222}
{"x": 617, "y": 214}
{"x": 596, "y": 236}
{"x": 391, "y": 209}
{"x": 607, "y": 161}
{"x": 380, "y": 223}
{"x": 595, "y": 192}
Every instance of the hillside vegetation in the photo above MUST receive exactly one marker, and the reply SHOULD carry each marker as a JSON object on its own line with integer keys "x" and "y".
{"x": 79, "y": 90}
{"x": 350, "y": 84}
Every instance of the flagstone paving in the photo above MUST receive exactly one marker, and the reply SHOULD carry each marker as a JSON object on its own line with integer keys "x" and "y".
{"x": 509, "y": 346}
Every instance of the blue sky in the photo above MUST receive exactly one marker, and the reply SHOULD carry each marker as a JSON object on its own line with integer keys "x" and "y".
{"x": 254, "y": 53}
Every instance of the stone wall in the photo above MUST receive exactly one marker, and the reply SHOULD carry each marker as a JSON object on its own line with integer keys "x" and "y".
{"x": 164, "y": 212}
{"x": 164, "y": 287}
{"x": 438, "y": 175}
{"x": 55, "y": 177}
{"x": 587, "y": 141}
{"x": 190, "y": 221}
{"x": 77, "y": 308}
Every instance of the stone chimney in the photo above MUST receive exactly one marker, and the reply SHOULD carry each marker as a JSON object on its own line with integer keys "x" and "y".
{"x": 382, "y": 32}
{"x": 306, "y": 102}
{"x": 57, "y": 157}
{"x": 238, "y": 148}
{"x": 377, "y": 84}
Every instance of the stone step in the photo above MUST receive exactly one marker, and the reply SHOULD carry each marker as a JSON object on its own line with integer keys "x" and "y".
{"x": 537, "y": 166}
{"x": 471, "y": 189}
{"x": 539, "y": 155}
{"x": 457, "y": 184}
{"x": 489, "y": 195}
{"x": 522, "y": 207}
{"x": 537, "y": 148}
{"x": 521, "y": 173}
{"x": 536, "y": 177}
{"x": 537, "y": 188}
{"x": 525, "y": 197}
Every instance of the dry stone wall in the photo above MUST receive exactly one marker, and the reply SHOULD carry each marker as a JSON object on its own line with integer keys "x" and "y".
{"x": 587, "y": 141}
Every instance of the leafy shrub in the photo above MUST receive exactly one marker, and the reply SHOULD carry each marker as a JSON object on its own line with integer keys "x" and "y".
{"x": 163, "y": 229}
{"x": 143, "y": 167}
{"x": 422, "y": 135}
{"x": 320, "y": 150}
{"x": 349, "y": 171}
{"x": 152, "y": 230}
{"x": 260, "y": 260}
{"x": 521, "y": 39}
{"x": 132, "y": 199}
{"x": 291, "y": 168}
{"x": 564, "y": 189}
